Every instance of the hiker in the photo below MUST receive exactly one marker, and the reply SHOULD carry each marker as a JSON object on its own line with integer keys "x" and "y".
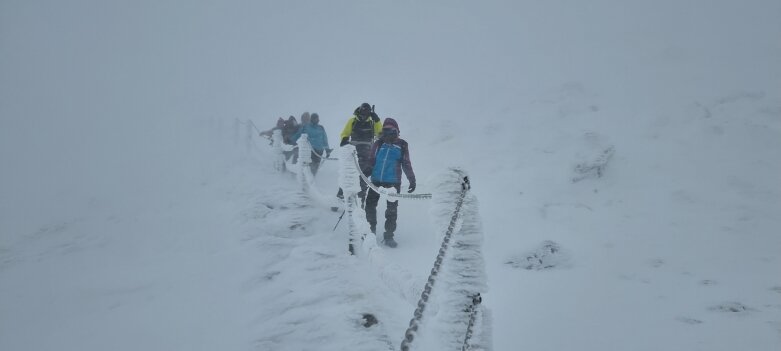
{"x": 317, "y": 138}
{"x": 268, "y": 133}
{"x": 361, "y": 130}
{"x": 304, "y": 120}
{"x": 388, "y": 157}
{"x": 290, "y": 128}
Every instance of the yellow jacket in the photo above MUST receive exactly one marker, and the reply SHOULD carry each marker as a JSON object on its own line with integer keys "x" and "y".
{"x": 347, "y": 132}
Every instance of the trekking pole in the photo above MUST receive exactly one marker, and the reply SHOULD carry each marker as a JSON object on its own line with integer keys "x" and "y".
{"x": 340, "y": 219}
{"x": 253, "y": 125}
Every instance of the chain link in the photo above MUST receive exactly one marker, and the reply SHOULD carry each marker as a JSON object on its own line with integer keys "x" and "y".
{"x": 472, "y": 310}
{"x": 249, "y": 122}
{"x": 377, "y": 190}
{"x": 414, "y": 323}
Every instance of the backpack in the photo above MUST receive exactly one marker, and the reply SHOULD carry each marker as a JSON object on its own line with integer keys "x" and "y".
{"x": 364, "y": 130}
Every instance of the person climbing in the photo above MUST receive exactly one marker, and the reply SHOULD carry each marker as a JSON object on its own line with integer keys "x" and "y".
{"x": 361, "y": 130}
{"x": 290, "y": 128}
{"x": 304, "y": 120}
{"x": 268, "y": 133}
{"x": 317, "y": 138}
{"x": 388, "y": 157}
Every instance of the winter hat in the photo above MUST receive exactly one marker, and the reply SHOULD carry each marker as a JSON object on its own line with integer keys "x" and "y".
{"x": 364, "y": 110}
{"x": 390, "y": 123}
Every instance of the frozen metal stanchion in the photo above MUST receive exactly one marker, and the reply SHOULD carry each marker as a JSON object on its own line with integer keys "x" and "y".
{"x": 304, "y": 160}
{"x": 276, "y": 145}
{"x": 350, "y": 182}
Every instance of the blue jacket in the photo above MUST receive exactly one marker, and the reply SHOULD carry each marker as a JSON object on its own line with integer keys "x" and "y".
{"x": 389, "y": 159}
{"x": 316, "y": 134}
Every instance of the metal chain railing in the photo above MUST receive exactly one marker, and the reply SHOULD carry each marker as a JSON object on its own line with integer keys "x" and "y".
{"x": 249, "y": 123}
{"x": 414, "y": 323}
{"x": 410, "y": 334}
{"x": 323, "y": 157}
{"x": 472, "y": 310}
{"x": 378, "y": 191}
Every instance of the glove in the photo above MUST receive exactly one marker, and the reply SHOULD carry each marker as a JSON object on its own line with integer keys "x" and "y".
{"x": 344, "y": 142}
{"x": 375, "y": 116}
{"x": 411, "y": 188}
{"x": 328, "y": 152}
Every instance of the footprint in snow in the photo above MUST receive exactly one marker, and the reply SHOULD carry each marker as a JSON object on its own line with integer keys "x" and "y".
{"x": 548, "y": 256}
{"x": 731, "y": 307}
{"x": 689, "y": 320}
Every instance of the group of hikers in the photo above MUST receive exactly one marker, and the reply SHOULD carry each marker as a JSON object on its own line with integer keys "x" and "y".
{"x": 382, "y": 157}
{"x": 291, "y": 131}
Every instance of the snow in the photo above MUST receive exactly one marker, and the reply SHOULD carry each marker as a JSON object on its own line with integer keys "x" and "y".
{"x": 133, "y": 216}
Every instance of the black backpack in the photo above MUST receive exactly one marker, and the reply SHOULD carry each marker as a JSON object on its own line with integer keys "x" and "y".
{"x": 363, "y": 130}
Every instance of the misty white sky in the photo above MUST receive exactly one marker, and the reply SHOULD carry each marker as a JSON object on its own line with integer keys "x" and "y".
{"x": 94, "y": 92}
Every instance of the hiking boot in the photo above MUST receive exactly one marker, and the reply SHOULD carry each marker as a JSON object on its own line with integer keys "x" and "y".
{"x": 390, "y": 243}
{"x": 373, "y": 229}
{"x": 388, "y": 240}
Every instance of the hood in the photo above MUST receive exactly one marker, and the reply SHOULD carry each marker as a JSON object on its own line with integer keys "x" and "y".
{"x": 390, "y": 123}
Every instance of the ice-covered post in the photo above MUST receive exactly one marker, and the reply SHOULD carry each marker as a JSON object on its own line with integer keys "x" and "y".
{"x": 276, "y": 145}
{"x": 304, "y": 160}
{"x": 350, "y": 182}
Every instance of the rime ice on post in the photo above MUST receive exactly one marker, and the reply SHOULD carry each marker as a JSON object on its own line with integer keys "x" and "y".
{"x": 304, "y": 150}
{"x": 304, "y": 159}
{"x": 304, "y": 173}
{"x": 349, "y": 175}
{"x": 349, "y": 181}
{"x": 276, "y": 144}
